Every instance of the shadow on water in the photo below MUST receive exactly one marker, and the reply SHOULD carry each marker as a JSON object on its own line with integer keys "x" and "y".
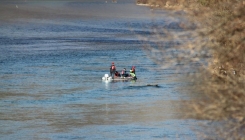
{"x": 145, "y": 86}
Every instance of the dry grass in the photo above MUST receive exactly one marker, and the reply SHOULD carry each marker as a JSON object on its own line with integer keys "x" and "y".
{"x": 220, "y": 34}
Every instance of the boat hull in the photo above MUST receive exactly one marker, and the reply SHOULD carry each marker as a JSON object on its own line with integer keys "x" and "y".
{"x": 116, "y": 78}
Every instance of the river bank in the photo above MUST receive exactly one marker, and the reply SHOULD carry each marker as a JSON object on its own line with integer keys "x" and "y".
{"x": 220, "y": 32}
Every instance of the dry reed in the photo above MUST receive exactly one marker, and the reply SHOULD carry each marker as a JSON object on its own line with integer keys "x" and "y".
{"x": 217, "y": 43}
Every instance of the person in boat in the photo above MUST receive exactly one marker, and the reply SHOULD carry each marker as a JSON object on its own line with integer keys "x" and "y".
{"x": 133, "y": 69}
{"x": 124, "y": 73}
{"x": 112, "y": 70}
{"x": 117, "y": 74}
{"x": 132, "y": 74}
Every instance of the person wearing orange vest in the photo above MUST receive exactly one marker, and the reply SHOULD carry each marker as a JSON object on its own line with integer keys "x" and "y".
{"x": 112, "y": 70}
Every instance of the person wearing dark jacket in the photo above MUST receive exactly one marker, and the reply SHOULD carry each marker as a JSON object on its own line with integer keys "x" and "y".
{"x": 124, "y": 73}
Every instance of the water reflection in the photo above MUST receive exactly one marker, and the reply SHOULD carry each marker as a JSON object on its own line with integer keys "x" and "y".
{"x": 107, "y": 86}
{"x": 67, "y": 118}
{"x": 79, "y": 115}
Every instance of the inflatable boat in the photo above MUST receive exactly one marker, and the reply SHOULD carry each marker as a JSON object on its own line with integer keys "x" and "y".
{"x": 106, "y": 77}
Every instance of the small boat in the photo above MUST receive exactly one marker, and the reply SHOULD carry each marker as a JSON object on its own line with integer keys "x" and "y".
{"x": 106, "y": 77}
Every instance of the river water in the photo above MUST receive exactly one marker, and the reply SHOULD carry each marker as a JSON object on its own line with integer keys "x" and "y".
{"x": 52, "y": 57}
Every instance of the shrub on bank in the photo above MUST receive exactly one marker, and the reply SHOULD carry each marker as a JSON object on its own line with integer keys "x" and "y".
{"x": 221, "y": 33}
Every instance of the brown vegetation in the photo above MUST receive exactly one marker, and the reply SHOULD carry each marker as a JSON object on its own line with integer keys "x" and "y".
{"x": 220, "y": 33}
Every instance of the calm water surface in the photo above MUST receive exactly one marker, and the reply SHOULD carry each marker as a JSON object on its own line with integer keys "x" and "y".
{"x": 52, "y": 57}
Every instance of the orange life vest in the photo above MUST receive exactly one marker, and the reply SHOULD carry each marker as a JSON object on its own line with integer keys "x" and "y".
{"x": 113, "y": 67}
